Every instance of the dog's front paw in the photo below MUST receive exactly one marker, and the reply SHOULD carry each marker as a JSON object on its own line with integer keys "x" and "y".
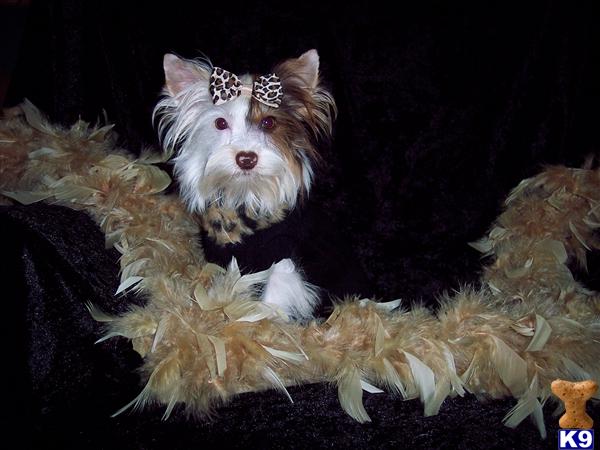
{"x": 224, "y": 226}
{"x": 287, "y": 290}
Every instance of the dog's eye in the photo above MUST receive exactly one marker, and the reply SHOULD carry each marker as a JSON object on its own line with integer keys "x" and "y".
{"x": 221, "y": 124}
{"x": 268, "y": 123}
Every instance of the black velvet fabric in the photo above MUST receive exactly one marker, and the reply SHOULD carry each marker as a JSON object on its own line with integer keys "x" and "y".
{"x": 443, "y": 108}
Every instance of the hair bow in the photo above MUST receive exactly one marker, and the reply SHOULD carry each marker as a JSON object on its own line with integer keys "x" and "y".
{"x": 225, "y": 86}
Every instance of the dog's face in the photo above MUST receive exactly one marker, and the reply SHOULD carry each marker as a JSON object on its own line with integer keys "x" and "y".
{"x": 243, "y": 153}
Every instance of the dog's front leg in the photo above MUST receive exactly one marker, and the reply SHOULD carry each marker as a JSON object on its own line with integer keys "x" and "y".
{"x": 286, "y": 289}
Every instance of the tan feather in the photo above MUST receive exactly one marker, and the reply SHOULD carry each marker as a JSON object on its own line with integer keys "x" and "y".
{"x": 112, "y": 238}
{"x": 455, "y": 381}
{"x": 383, "y": 306}
{"x": 519, "y": 271}
{"x": 160, "y": 332}
{"x": 518, "y": 191}
{"x": 469, "y": 372}
{"x": 220, "y": 353}
{"x": 162, "y": 242}
{"x": 250, "y": 281}
{"x": 591, "y": 223}
{"x": 152, "y": 178}
{"x": 209, "y": 270}
{"x": 139, "y": 401}
{"x": 152, "y": 157}
{"x": 114, "y": 162}
{"x": 285, "y": 355}
{"x": 523, "y": 329}
{"x": 203, "y": 300}
{"x": 541, "y": 336}
{"x": 128, "y": 283}
{"x": 494, "y": 288}
{"x": 272, "y": 377}
{"x": 392, "y": 378}
{"x": 528, "y": 405}
{"x": 576, "y": 372}
{"x": 162, "y": 370}
{"x": 379, "y": 336}
{"x": 111, "y": 335}
{"x": 557, "y": 248}
{"x": 97, "y": 314}
{"x": 483, "y": 245}
{"x": 511, "y": 368}
{"x": 46, "y": 151}
{"x": 66, "y": 191}
{"x": 294, "y": 341}
{"x": 442, "y": 390}
{"x": 27, "y": 198}
{"x": 368, "y": 387}
{"x": 170, "y": 406}
{"x": 35, "y": 118}
{"x": 350, "y": 395}
{"x": 423, "y": 377}
{"x": 99, "y": 134}
{"x": 498, "y": 233}
{"x": 134, "y": 268}
{"x": 248, "y": 311}
{"x": 578, "y": 235}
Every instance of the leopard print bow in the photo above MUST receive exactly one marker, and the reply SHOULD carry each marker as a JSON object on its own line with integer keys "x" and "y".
{"x": 225, "y": 86}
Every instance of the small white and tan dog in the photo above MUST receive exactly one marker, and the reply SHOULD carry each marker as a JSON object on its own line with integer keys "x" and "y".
{"x": 244, "y": 150}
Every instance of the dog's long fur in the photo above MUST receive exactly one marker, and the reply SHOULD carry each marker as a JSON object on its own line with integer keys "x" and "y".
{"x": 216, "y": 187}
{"x": 205, "y": 156}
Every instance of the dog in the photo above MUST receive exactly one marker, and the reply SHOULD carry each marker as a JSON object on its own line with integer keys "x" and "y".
{"x": 245, "y": 150}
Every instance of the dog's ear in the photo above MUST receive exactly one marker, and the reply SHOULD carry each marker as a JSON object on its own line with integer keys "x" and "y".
{"x": 302, "y": 72}
{"x": 304, "y": 95}
{"x": 181, "y": 73}
{"x": 308, "y": 68}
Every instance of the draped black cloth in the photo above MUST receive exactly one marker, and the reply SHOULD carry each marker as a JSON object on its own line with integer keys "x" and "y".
{"x": 443, "y": 108}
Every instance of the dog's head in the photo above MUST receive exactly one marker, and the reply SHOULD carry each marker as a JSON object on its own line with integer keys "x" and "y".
{"x": 247, "y": 142}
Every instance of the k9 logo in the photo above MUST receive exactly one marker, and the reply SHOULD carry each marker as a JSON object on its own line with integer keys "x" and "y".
{"x": 568, "y": 439}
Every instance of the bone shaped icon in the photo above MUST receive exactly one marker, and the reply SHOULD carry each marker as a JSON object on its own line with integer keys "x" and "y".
{"x": 574, "y": 396}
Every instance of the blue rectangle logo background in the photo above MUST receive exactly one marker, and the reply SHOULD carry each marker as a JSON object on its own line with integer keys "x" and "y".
{"x": 576, "y": 439}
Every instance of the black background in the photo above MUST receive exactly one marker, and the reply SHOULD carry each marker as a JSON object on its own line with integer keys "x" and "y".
{"x": 444, "y": 107}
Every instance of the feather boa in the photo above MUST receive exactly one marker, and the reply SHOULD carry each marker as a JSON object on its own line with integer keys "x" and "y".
{"x": 205, "y": 338}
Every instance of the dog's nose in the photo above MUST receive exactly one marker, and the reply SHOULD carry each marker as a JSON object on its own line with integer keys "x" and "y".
{"x": 246, "y": 160}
